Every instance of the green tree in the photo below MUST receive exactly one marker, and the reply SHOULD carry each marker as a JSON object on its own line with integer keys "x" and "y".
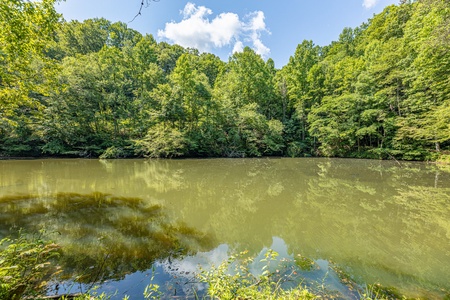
{"x": 26, "y": 27}
{"x": 258, "y": 135}
{"x": 168, "y": 56}
{"x": 76, "y": 108}
{"x": 210, "y": 65}
{"x": 185, "y": 108}
{"x": 294, "y": 89}
{"x": 76, "y": 37}
{"x": 248, "y": 79}
{"x": 427, "y": 37}
{"x": 334, "y": 124}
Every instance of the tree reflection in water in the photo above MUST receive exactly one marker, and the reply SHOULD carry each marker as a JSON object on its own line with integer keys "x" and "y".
{"x": 381, "y": 221}
{"x": 103, "y": 237}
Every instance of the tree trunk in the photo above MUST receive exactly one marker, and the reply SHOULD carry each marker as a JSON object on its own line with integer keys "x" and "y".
{"x": 438, "y": 147}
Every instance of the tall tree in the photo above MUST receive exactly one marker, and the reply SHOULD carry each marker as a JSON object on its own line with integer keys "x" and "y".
{"x": 26, "y": 27}
{"x": 428, "y": 39}
{"x": 248, "y": 79}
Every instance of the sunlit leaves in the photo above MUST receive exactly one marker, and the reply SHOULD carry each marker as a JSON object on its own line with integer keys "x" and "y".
{"x": 25, "y": 29}
{"x": 81, "y": 88}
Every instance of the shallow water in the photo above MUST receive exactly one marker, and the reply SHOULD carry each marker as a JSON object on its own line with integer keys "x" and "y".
{"x": 379, "y": 221}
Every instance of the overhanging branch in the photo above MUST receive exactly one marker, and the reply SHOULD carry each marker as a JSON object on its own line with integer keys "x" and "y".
{"x": 145, "y": 3}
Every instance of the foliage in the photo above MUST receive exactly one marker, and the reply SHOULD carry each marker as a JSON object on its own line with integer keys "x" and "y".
{"x": 163, "y": 141}
{"x": 26, "y": 266}
{"x": 114, "y": 152}
{"x": 25, "y": 73}
{"x": 376, "y": 291}
{"x": 96, "y": 88}
{"x": 233, "y": 279}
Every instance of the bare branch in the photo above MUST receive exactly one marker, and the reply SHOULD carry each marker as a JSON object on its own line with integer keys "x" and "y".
{"x": 143, "y": 2}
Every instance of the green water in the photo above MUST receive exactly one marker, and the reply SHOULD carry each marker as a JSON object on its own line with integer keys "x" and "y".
{"x": 380, "y": 221}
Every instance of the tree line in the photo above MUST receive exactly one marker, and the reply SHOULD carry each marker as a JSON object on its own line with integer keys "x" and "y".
{"x": 100, "y": 89}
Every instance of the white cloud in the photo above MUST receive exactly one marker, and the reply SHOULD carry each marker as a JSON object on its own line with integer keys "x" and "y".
{"x": 260, "y": 48}
{"x": 256, "y": 22}
{"x": 190, "y": 9}
{"x": 370, "y": 3}
{"x": 196, "y": 30}
{"x": 238, "y": 47}
{"x": 254, "y": 27}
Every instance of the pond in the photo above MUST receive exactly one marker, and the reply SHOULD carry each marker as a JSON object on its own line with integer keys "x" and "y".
{"x": 122, "y": 222}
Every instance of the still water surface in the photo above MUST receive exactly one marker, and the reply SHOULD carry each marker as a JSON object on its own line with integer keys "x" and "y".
{"x": 379, "y": 221}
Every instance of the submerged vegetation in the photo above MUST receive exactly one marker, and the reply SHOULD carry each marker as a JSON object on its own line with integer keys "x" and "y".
{"x": 30, "y": 266}
{"x": 100, "y": 89}
{"x": 380, "y": 222}
{"x": 133, "y": 232}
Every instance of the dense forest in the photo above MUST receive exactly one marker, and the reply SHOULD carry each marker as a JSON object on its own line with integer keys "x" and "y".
{"x": 100, "y": 89}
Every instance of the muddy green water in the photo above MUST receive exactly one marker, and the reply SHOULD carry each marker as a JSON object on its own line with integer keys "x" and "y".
{"x": 380, "y": 221}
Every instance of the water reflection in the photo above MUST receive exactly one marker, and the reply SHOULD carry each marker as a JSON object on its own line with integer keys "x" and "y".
{"x": 177, "y": 277}
{"x": 103, "y": 237}
{"x": 379, "y": 221}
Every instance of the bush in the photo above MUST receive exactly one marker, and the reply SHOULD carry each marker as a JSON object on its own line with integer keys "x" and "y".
{"x": 113, "y": 152}
{"x": 162, "y": 141}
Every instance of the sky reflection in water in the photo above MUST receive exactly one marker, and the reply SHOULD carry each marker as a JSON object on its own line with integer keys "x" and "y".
{"x": 379, "y": 221}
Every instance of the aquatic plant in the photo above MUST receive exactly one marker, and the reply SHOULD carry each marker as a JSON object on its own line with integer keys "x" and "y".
{"x": 119, "y": 235}
{"x": 26, "y": 266}
{"x": 233, "y": 279}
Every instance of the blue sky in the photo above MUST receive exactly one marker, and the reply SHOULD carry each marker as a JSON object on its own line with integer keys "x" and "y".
{"x": 272, "y": 28}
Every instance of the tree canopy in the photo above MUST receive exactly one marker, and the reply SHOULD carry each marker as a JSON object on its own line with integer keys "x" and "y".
{"x": 97, "y": 88}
